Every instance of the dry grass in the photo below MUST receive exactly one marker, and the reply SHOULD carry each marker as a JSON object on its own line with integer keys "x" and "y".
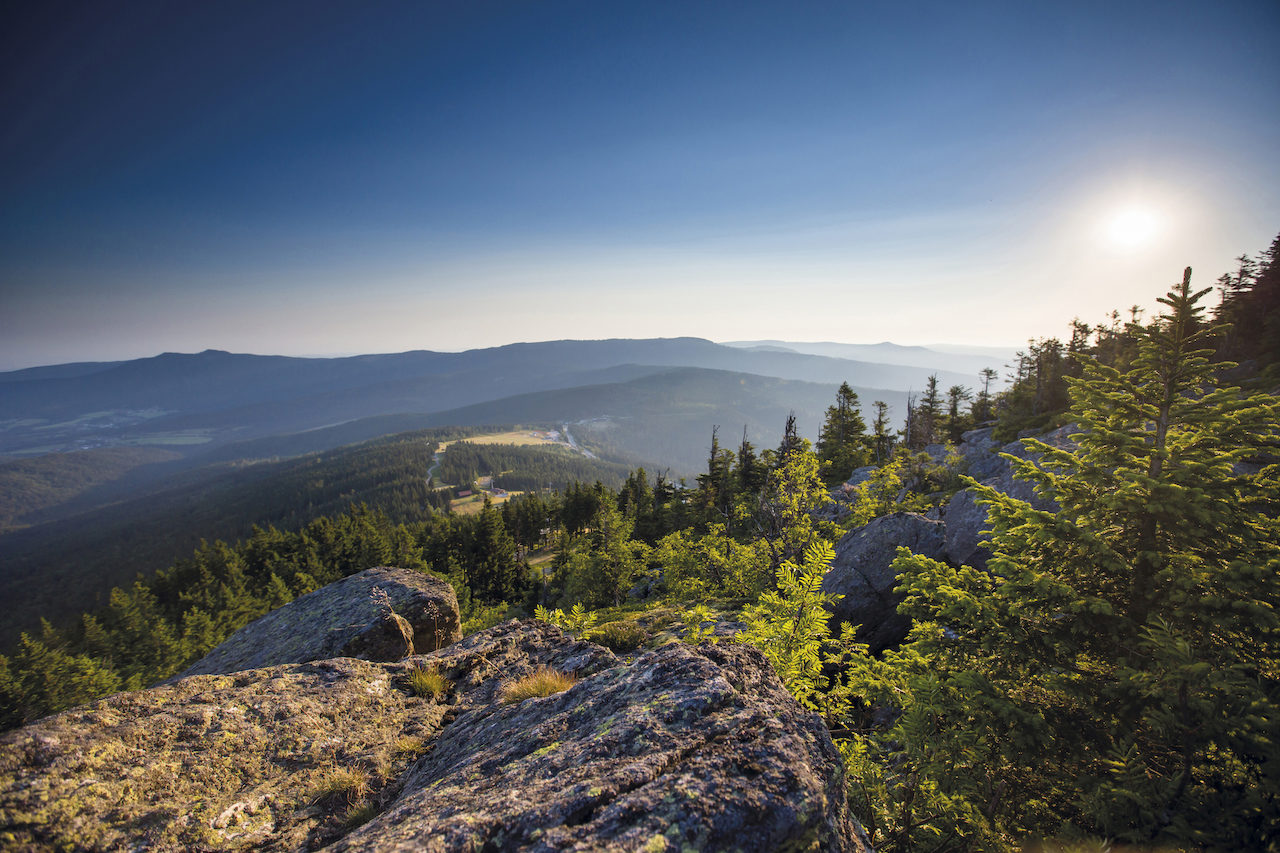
{"x": 348, "y": 784}
{"x": 409, "y": 745}
{"x": 520, "y": 438}
{"x": 427, "y": 683}
{"x": 541, "y": 682}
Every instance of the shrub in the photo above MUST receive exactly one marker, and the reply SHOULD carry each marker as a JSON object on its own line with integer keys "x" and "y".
{"x": 427, "y": 682}
{"x": 620, "y": 636}
{"x": 541, "y": 682}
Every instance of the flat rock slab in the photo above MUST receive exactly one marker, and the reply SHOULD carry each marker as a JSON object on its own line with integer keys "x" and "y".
{"x": 681, "y": 748}
{"x": 343, "y": 619}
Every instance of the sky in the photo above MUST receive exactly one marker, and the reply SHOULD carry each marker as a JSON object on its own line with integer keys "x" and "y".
{"x": 331, "y": 178}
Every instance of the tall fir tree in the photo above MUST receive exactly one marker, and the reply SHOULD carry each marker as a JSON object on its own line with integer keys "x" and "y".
{"x": 881, "y": 434}
{"x": 842, "y": 441}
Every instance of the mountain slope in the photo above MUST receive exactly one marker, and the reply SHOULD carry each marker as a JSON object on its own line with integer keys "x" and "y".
{"x": 666, "y": 418}
{"x": 967, "y": 360}
{"x": 214, "y": 397}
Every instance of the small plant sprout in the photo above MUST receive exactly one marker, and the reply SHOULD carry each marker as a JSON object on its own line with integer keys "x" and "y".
{"x": 577, "y": 621}
{"x": 541, "y": 682}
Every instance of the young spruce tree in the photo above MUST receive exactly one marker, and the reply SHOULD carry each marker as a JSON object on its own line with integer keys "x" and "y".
{"x": 1116, "y": 674}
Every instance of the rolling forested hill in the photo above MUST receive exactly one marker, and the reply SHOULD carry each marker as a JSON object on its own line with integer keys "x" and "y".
{"x": 115, "y": 469}
{"x": 60, "y": 568}
{"x": 666, "y": 419}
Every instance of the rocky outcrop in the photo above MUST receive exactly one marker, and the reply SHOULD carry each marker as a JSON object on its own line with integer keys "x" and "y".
{"x": 681, "y": 748}
{"x": 863, "y": 574}
{"x": 348, "y": 618}
{"x": 966, "y": 519}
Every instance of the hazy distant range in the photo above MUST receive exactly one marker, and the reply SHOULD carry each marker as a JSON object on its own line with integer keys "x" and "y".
{"x": 206, "y": 404}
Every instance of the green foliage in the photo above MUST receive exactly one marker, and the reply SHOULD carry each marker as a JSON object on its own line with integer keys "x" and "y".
{"x": 842, "y": 443}
{"x": 152, "y": 630}
{"x": 524, "y": 468}
{"x": 1115, "y": 676}
{"x": 28, "y": 486}
{"x": 67, "y": 567}
{"x": 783, "y": 515}
{"x": 1251, "y": 304}
{"x": 712, "y": 565}
{"x": 790, "y": 625}
{"x": 493, "y": 572}
{"x": 878, "y": 494}
{"x": 599, "y": 566}
{"x": 477, "y": 617}
{"x": 40, "y": 680}
{"x": 577, "y": 621}
{"x": 699, "y": 625}
{"x": 619, "y": 636}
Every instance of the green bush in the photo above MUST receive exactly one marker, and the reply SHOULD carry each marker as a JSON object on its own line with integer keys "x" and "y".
{"x": 620, "y": 636}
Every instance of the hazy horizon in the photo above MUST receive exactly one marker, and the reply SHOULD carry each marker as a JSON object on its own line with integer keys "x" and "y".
{"x": 292, "y": 178}
{"x": 941, "y": 347}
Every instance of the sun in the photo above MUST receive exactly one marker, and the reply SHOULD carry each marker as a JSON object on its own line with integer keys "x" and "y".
{"x": 1132, "y": 227}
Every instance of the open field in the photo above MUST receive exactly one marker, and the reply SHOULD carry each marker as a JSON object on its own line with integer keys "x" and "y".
{"x": 518, "y": 437}
{"x": 472, "y": 504}
{"x": 176, "y": 437}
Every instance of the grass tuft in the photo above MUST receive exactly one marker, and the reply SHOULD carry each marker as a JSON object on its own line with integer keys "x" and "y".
{"x": 541, "y": 682}
{"x": 358, "y": 814}
{"x": 409, "y": 745}
{"x": 344, "y": 783}
{"x": 427, "y": 682}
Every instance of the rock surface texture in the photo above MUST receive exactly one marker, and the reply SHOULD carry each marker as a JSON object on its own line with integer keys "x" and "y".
{"x": 681, "y": 748}
{"x": 965, "y": 518}
{"x": 344, "y": 619}
{"x": 863, "y": 574}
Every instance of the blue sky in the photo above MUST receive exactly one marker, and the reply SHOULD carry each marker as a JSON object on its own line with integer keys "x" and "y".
{"x": 332, "y": 178}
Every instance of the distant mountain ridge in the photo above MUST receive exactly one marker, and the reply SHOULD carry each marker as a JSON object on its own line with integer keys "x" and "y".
{"x": 945, "y": 358}
{"x": 236, "y": 397}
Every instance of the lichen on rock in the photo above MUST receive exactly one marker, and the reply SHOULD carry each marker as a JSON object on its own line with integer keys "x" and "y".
{"x": 345, "y": 619}
{"x": 680, "y": 748}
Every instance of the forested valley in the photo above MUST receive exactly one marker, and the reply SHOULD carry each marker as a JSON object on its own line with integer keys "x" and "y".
{"x": 1112, "y": 677}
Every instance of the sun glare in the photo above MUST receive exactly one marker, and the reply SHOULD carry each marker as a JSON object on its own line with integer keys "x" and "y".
{"x": 1132, "y": 228}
